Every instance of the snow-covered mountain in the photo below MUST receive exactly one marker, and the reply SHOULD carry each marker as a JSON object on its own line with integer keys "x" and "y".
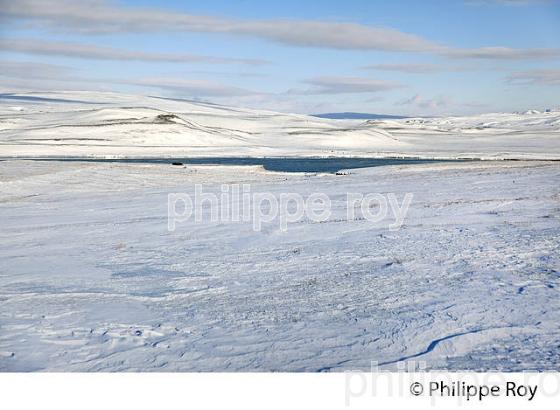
{"x": 111, "y": 124}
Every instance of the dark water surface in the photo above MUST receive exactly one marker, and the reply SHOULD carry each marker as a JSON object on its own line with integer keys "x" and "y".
{"x": 329, "y": 165}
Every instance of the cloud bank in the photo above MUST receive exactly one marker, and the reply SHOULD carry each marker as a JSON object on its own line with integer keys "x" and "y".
{"x": 88, "y": 51}
{"x": 539, "y": 77}
{"x": 344, "y": 85}
{"x": 100, "y": 17}
{"x": 410, "y": 68}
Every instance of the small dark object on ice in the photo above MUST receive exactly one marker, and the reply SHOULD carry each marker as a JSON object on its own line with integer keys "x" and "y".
{"x": 177, "y": 163}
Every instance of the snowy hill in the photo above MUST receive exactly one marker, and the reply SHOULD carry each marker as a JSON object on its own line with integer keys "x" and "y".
{"x": 111, "y": 124}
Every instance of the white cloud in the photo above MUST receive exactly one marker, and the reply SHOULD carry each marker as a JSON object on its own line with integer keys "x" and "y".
{"x": 30, "y": 76}
{"x": 343, "y": 85}
{"x": 89, "y": 51}
{"x": 422, "y": 102}
{"x": 193, "y": 88}
{"x": 502, "y": 53}
{"x": 540, "y": 77}
{"x": 33, "y": 70}
{"x": 438, "y": 105}
{"x": 410, "y": 68}
{"x": 98, "y": 16}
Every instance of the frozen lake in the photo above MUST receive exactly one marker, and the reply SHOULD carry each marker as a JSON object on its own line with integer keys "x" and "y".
{"x": 329, "y": 165}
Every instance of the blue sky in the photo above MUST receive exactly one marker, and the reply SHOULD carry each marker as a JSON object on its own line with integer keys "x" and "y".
{"x": 401, "y": 57}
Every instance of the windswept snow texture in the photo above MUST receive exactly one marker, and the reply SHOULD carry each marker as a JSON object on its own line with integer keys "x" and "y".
{"x": 91, "y": 279}
{"x": 81, "y": 124}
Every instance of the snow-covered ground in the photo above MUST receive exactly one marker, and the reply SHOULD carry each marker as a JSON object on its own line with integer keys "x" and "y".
{"x": 92, "y": 279}
{"x": 109, "y": 124}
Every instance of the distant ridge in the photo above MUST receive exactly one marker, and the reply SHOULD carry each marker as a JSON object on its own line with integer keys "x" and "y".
{"x": 357, "y": 116}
